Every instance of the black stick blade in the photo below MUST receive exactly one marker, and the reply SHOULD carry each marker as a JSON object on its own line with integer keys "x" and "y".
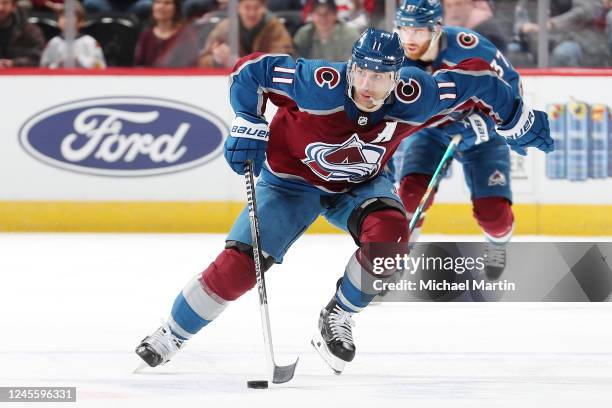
{"x": 283, "y": 374}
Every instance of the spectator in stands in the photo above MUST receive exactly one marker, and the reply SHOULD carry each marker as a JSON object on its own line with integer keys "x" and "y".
{"x": 21, "y": 43}
{"x": 87, "y": 51}
{"x": 326, "y": 37}
{"x": 48, "y": 5}
{"x": 577, "y": 39}
{"x": 168, "y": 42}
{"x": 259, "y": 32}
{"x": 142, "y": 8}
{"x": 475, "y": 15}
{"x": 347, "y": 10}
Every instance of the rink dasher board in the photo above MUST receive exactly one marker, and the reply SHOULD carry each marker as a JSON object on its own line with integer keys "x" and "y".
{"x": 206, "y": 197}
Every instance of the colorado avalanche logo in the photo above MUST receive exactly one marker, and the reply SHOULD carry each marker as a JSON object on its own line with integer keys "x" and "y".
{"x": 327, "y": 76}
{"x": 408, "y": 92}
{"x": 353, "y": 161}
{"x": 497, "y": 178}
{"x": 467, "y": 40}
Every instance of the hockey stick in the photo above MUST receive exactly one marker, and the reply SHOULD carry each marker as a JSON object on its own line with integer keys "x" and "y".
{"x": 280, "y": 374}
{"x": 435, "y": 179}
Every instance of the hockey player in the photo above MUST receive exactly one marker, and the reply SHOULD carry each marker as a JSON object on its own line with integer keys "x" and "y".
{"x": 483, "y": 152}
{"x": 336, "y": 127}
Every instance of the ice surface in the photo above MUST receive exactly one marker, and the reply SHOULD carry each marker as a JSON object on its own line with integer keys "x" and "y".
{"x": 74, "y": 306}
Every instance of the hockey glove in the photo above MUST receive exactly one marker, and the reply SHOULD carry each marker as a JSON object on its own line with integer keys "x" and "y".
{"x": 528, "y": 128}
{"x": 246, "y": 141}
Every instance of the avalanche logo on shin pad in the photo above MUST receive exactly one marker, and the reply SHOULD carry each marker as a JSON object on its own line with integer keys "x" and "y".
{"x": 123, "y": 136}
{"x": 353, "y": 161}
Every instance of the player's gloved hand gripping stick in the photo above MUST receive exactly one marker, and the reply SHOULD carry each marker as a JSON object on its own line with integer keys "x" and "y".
{"x": 435, "y": 179}
{"x": 248, "y": 140}
{"x": 279, "y": 374}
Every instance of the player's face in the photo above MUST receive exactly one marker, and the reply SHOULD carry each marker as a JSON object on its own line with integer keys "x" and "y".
{"x": 251, "y": 12}
{"x": 369, "y": 85}
{"x": 163, "y": 10}
{"x": 6, "y": 8}
{"x": 415, "y": 41}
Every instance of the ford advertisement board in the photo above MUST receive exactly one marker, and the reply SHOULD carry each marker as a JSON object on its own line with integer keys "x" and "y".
{"x": 124, "y": 136}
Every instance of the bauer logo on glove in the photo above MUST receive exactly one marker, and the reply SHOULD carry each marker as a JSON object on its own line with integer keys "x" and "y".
{"x": 525, "y": 122}
{"x": 528, "y": 128}
{"x": 243, "y": 128}
{"x": 246, "y": 141}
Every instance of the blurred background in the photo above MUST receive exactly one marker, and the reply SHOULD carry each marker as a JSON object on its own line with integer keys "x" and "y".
{"x": 190, "y": 33}
{"x": 114, "y": 112}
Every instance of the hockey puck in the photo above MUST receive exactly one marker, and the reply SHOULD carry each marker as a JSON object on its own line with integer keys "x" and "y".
{"x": 259, "y": 385}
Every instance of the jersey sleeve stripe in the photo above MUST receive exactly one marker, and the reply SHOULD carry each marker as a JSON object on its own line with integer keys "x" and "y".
{"x": 282, "y": 80}
{"x": 448, "y": 96}
{"x": 284, "y": 70}
{"x": 446, "y": 85}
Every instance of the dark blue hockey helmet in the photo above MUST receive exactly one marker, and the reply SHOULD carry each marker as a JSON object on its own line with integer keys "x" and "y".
{"x": 378, "y": 50}
{"x": 419, "y": 13}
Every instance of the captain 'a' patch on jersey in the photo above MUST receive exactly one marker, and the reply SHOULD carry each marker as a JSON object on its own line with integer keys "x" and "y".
{"x": 353, "y": 161}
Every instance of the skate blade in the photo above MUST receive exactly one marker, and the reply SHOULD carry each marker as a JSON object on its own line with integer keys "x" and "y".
{"x": 336, "y": 364}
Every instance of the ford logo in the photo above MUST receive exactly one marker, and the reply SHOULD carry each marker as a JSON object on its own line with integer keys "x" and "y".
{"x": 124, "y": 136}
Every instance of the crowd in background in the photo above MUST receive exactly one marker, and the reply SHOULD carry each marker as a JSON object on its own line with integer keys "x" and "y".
{"x": 190, "y": 33}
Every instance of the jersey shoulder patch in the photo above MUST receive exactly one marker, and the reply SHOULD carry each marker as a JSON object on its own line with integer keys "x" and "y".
{"x": 408, "y": 90}
{"x": 463, "y": 43}
{"x": 467, "y": 40}
{"x": 411, "y": 86}
{"x": 326, "y": 77}
{"x": 320, "y": 85}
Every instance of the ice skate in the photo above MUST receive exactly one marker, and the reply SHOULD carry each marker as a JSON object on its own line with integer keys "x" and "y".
{"x": 334, "y": 339}
{"x": 159, "y": 347}
{"x": 495, "y": 260}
